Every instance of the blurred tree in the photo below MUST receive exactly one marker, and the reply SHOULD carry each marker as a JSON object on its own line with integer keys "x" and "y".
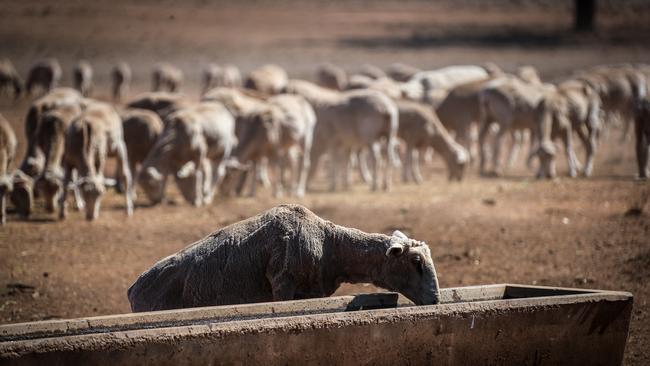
{"x": 585, "y": 13}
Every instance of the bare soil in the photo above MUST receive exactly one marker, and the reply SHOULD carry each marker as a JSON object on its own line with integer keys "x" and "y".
{"x": 566, "y": 232}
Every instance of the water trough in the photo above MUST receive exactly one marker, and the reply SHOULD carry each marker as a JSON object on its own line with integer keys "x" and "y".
{"x": 488, "y": 325}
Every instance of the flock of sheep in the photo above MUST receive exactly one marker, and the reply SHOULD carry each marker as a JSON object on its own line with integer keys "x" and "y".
{"x": 267, "y": 128}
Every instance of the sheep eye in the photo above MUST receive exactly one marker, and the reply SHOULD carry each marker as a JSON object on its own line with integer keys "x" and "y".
{"x": 417, "y": 262}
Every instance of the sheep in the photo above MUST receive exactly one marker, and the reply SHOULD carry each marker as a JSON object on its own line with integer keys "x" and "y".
{"x": 358, "y": 81}
{"x": 161, "y": 103}
{"x": 620, "y": 88}
{"x": 371, "y": 71}
{"x": 166, "y": 77}
{"x": 510, "y": 103}
{"x": 349, "y": 122}
{"x": 120, "y": 81}
{"x": 584, "y": 107}
{"x": 277, "y": 132}
{"x": 92, "y": 137}
{"x": 331, "y": 76}
{"x": 83, "y": 77}
{"x": 552, "y": 120}
{"x": 44, "y": 75}
{"x": 51, "y": 137}
{"x": 642, "y": 136}
{"x": 10, "y": 80}
{"x": 268, "y": 79}
{"x": 142, "y": 128}
{"x": 419, "y": 127}
{"x": 242, "y": 106}
{"x": 8, "y": 144}
{"x": 217, "y": 76}
{"x": 34, "y": 159}
{"x": 194, "y": 147}
{"x": 401, "y": 72}
{"x": 285, "y": 253}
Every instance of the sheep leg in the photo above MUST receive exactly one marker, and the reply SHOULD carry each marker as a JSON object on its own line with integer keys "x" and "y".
{"x": 275, "y": 164}
{"x": 496, "y": 155}
{"x": 78, "y": 198}
{"x": 209, "y": 172}
{"x": 408, "y": 164}
{"x": 67, "y": 175}
{"x": 589, "y": 142}
{"x": 123, "y": 164}
{"x": 572, "y": 160}
{"x": 391, "y": 161}
{"x": 304, "y": 166}
{"x": 3, "y": 208}
{"x": 263, "y": 175}
{"x": 485, "y": 129}
{"x": 375, "y": 161}
{"x": 417, "y": 175}
{"x": 362, "y": 157}
{"x": 347, "y": 169}
{"x": 515, "y": 146}
{"x": 253, "y": 183}
{"x": 642, "y": 146}
{"x": 335, "y": 156}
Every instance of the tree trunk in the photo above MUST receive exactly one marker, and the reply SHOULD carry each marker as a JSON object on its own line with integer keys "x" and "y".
{"x": 585, "y": 14}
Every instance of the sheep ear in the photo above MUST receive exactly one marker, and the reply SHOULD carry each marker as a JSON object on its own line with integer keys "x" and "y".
{"x": 154, "y": 173}
{"x": 399, "y": 234}
{"x": 186, "y": 170}
{"x": 395, "y": 250}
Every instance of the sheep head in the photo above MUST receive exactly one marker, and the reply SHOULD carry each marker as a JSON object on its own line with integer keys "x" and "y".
{"x": 409, "y": 270}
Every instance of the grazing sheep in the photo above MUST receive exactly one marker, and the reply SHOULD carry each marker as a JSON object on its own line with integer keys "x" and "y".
{"x": 120, "y": 81}
{"x": 419, "y": 128}
{"x": 8, "y": 144}
{"x": 278, "y": 133}
{"x": 401, "y": 72}
{"x": 44, "y": 75}
{"x": 141, "y": 131}
{"x": 349, "y": 122}
{"x": 371, "y": 71}
{"x": 358, "y": 81}
{"x": 268, "y": 79}
{"x": 194, "y": 147}
{"x": 10, "y": 81}
{"x": 285, "y": 253}
{"x": 243, "y": 107}
{"x": 510, "y": 103}
{"x": 161, "y": 103}
{"x": 642, "y": 134}
{"x": 331, "y": 76}
{"x": 83, "y": 77}
{"x": 459, "y": 111}
{"x": 552, "y": 121}
{"x": 216, "y": 76}
{"x": 34, "y": 159}
{"x": 51, "y": 138}
{"x": 166, "y": 77}
{"x": 620, "y": 88}
{"x": 92, "y": 137}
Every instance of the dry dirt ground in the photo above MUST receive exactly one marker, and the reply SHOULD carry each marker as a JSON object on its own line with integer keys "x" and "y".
{"x": 568, "y": 232}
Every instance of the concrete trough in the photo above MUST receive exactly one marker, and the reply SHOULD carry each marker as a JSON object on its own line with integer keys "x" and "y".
{"x": 486, "y": 325}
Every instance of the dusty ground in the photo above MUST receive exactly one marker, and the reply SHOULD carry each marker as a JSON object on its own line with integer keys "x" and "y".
{"x": 561, "y": 233}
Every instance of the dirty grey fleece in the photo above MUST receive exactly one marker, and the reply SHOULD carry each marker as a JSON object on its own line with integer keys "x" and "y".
{"x": 284, "y": 253}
